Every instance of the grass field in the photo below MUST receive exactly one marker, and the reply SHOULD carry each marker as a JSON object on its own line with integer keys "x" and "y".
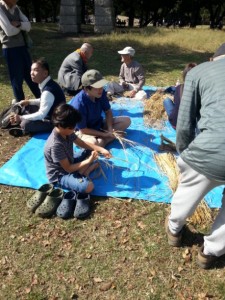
{"x": 121, "y": 251}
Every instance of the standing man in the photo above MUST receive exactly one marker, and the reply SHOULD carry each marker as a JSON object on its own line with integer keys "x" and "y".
{"x": 202, "y": 157}
{"x": 12, "y": 25}
{"x": 132, "y": 76}
{"x": 36, "y": 113}
{"x": 91, "y": 102}
{"x": 72, "y": 69}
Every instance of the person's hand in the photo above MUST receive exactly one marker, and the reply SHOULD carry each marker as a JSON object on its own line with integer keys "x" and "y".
{"x": 16, "y": 23}
{"x": 15, "y": 119}
{"x": 133, "y": 93}
{"x": 109, "y": 134}
{"x": 125, "y": 85}
{"x": 24, "y": 102}
{"x": 93, "y": 156}
{"x": 106, "y": 153}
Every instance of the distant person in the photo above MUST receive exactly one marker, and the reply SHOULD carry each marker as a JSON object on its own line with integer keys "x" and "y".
{"x": 13, "y": 23}
{"x": 172, "y": 107}
{"x": 36, "y": 113}
{"x": 72, "y": 69}
{"x": 91, "y": 102}
{"x": 202, "y": 156}
{"x": 68, "y": 170}
{"x": 131, "y": 76}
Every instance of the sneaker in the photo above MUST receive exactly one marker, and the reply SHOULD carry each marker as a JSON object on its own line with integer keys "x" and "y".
{"x": 205, "y": 261}
{"x": 16, "y": 132}
{"x": 174, "y": 240}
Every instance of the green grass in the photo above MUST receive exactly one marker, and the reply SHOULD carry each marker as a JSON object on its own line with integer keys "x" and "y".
{"x": 122, "y": 247}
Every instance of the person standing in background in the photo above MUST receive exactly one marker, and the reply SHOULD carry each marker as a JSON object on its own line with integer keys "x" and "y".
{"x": 12, "y": 25}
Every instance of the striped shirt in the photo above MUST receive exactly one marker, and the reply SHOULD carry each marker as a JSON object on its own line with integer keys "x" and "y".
{"x": 56, "y": 149}
{"x": 203, "y": 105}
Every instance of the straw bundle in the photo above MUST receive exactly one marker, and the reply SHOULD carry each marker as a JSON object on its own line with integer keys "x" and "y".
{"x": 154, "y": 112}
{"x": 168, "y": 165}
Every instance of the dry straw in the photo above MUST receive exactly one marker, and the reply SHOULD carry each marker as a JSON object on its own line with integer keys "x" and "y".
{"x": 154, "y": 112}
{"x": 168, "y": 165}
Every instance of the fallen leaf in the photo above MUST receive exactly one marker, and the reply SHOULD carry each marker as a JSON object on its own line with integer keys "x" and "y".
{"x": 97, "y": 279}
{"x": 105, "y": 286}
{"x": 141, "y": 225}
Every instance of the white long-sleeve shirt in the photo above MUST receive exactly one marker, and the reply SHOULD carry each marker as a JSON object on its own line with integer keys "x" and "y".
{"x": 45, "y": 103}
{"x": 5, "y": 24}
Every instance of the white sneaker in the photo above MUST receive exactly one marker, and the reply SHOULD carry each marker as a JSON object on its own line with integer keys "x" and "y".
{"x": 13, "y": 101}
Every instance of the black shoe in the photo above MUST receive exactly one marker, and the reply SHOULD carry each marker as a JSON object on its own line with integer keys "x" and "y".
{"x": 16, "y": 132}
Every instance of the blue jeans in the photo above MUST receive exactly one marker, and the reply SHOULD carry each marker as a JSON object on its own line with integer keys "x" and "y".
{"x": 75, "y": 181}
{"x": 168, "y": 105}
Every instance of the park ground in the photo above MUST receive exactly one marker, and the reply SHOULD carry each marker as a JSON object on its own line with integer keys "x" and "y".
{"x": 121, "y": 251}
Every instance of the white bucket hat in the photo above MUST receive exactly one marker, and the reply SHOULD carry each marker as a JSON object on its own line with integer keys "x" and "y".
{"x": 127, "y": 50}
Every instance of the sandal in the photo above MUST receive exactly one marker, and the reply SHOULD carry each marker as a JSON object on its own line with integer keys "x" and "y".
{"x": 39, "y": 196}
{"x": 67, "y": 206}
{"x": 83, "y": 207}
{"x": 49, "y": 206}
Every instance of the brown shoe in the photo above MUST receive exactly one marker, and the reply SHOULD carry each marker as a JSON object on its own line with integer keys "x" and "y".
{"x": 174, "y": 240}
{"x": 205, "y": 261}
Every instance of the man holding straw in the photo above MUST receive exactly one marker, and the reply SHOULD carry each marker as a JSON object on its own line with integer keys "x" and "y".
{"x": 202, "y": 157}
{"x": 91, "y": 102}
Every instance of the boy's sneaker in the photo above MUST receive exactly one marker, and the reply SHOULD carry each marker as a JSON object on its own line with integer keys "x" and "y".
{"x": 174, "y": 240}
{"x": 205, "y": 261}
{"x": 16, "y": 132}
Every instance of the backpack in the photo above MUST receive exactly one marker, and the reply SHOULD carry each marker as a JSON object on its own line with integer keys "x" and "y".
{"x": 7, "y": 112}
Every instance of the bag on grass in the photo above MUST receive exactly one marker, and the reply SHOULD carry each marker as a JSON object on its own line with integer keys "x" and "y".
{"x": 6, "y": 113}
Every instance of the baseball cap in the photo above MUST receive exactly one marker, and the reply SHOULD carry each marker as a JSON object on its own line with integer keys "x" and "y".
{"x": 93, "y": 78}
{"x": 220, "y": 51}
{"x": 127, "y": 50}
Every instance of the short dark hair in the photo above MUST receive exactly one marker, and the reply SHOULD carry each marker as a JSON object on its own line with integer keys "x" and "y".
{"x": 42, "y": 63}
{"x": 187, "y": 68}
{"x": 65, "y": 115}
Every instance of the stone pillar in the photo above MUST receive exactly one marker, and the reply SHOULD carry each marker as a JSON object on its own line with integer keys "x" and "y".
{"x": 104, "y": 16}
{"x": 70, "y": 16}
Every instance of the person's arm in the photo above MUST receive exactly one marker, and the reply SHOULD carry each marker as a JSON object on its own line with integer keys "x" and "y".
{"x": 25, "y": 24}
{"x": 46, "y": 102}
{"x": 89, "y": 146}
{"x": 122, "y": 75}
{"x": 70, "y": 168}
{"x": 109, "y": 120}
{"x": 140, "y": 74}
{"x": 187, "y": 115}
{"x": 6, "y": 25}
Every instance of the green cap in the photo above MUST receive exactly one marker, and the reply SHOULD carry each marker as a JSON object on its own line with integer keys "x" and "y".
{"x": 93, "y": 78}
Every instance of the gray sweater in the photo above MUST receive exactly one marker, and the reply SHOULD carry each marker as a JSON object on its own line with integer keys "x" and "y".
{"x": 203, "y": 104}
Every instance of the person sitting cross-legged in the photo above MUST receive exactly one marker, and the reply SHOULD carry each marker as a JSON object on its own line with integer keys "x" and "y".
{"x": 36, "y": 113}
{"x": 64, "y": 168}
{"x": 131, "y": 77}
{"x": 91, "y": 102}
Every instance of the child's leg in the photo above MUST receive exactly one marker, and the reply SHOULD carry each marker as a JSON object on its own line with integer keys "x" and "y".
{"x": 91, "y": 168}
{"x": 76, "y": 182}
{"x": 168, "y": 105}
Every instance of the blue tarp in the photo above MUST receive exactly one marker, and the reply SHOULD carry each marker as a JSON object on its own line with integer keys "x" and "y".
{"x": 131, "y": 173}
